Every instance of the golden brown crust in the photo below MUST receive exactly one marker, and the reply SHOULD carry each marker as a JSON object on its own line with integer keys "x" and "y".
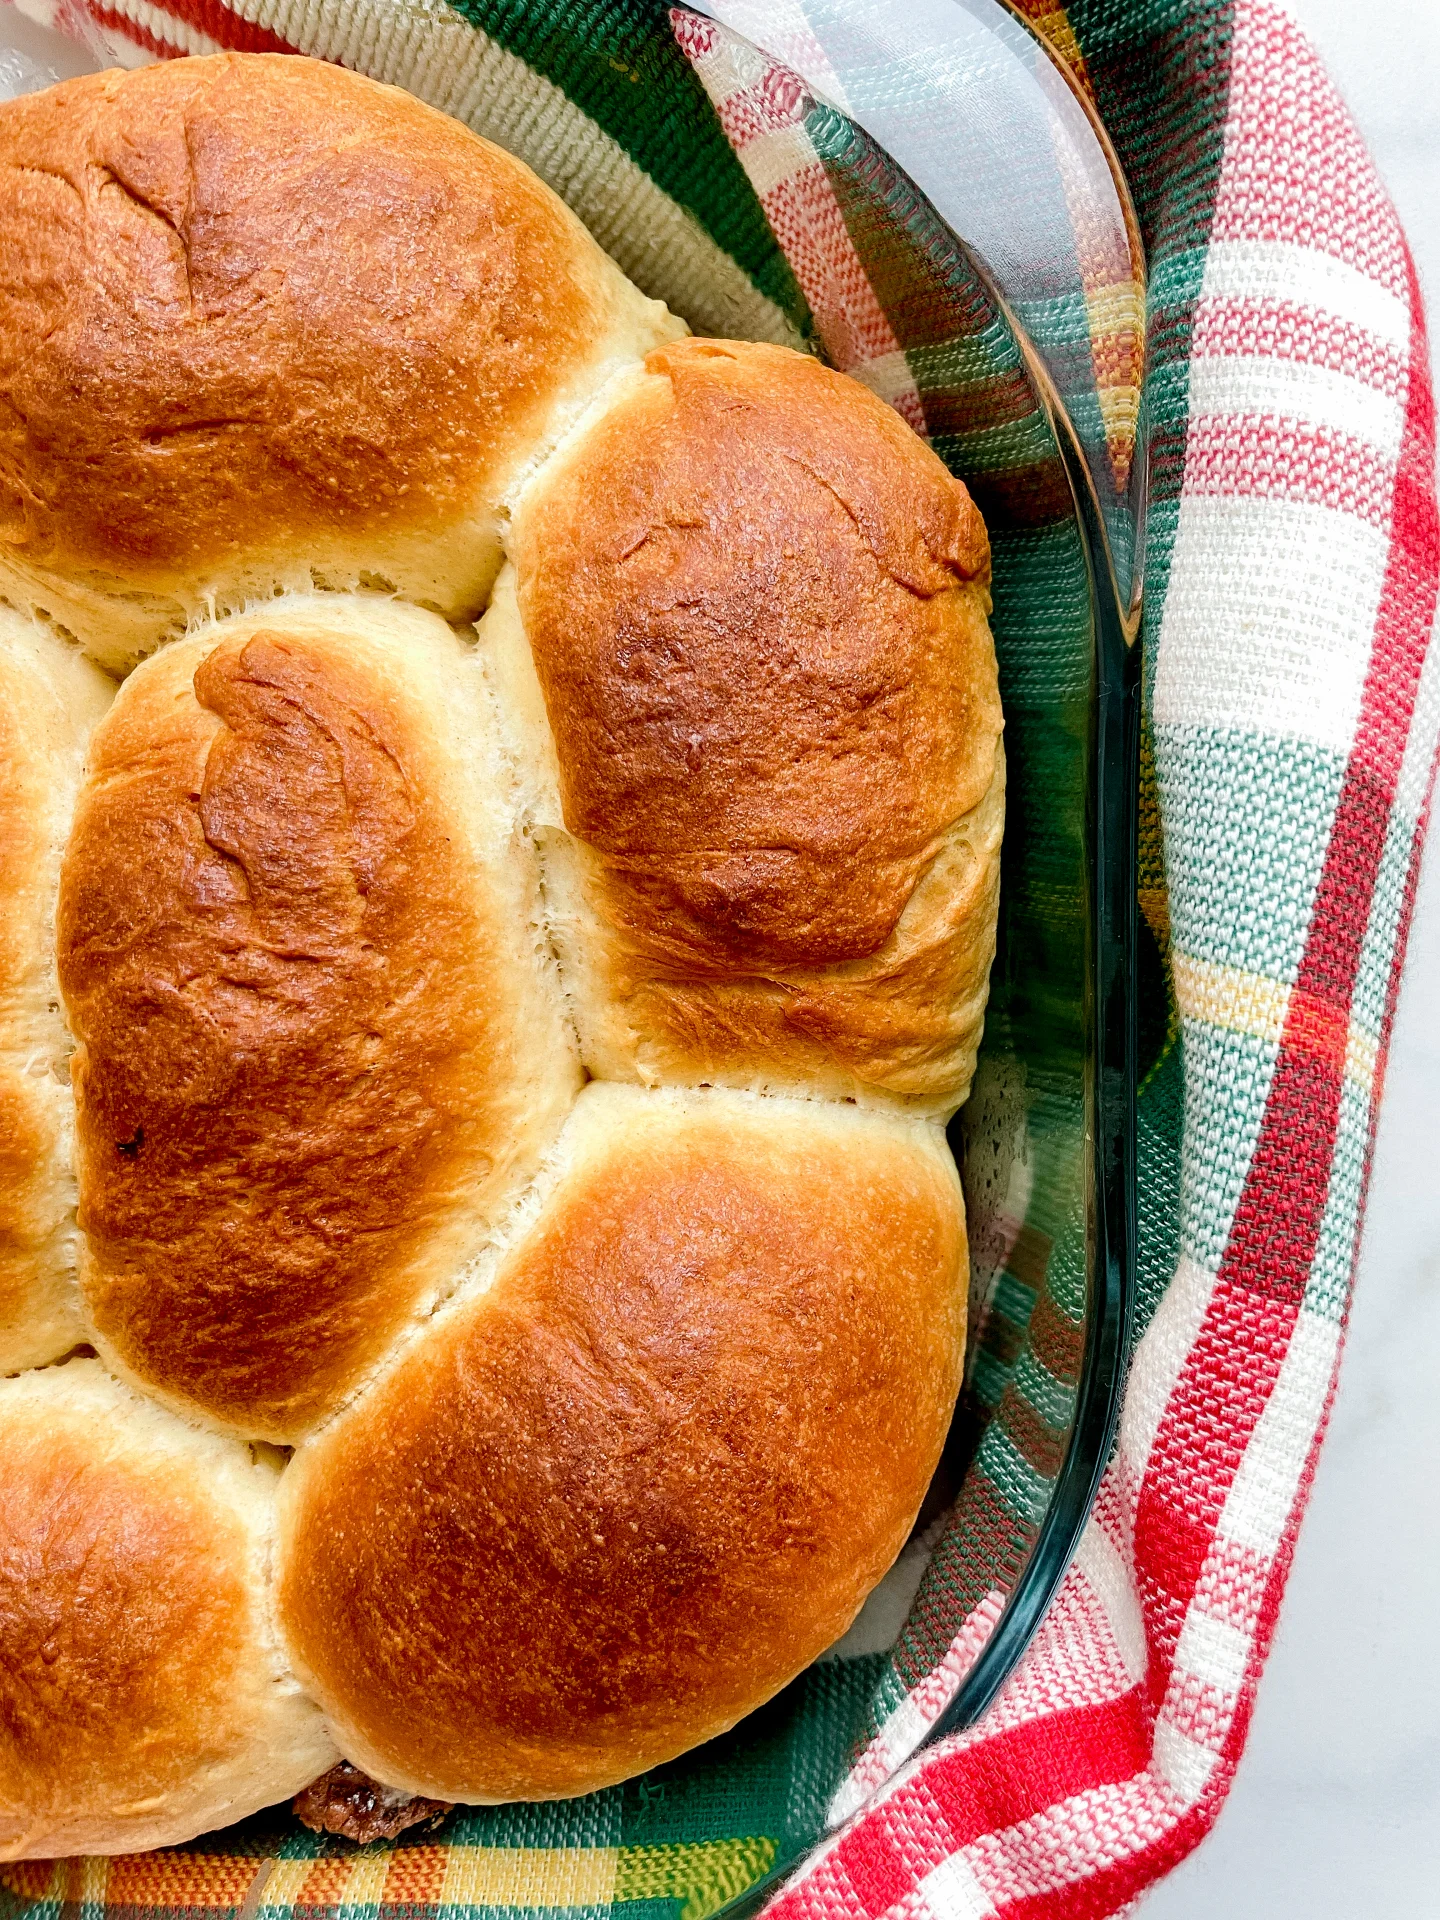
{"x": 757, "y": 610}
{"x": 142, "y": 1698}
{"x": 756, "y": 607}
{"x": 261, "y": 316}
{"x": 904, "y": 1022}
{"x": 49, "y": 700}
{"x": 312, "y": 1057}
{"x": 622, "y": 1498}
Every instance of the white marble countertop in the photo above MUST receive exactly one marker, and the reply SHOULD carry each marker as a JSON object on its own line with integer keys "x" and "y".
{"x": 1335, "y": 1811}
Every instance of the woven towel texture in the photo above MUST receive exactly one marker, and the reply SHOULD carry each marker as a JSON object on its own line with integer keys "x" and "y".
{"x": 1291, "y": 721}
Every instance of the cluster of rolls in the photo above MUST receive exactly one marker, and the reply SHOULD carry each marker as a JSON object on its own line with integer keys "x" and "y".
{"x": 499, "y": 820}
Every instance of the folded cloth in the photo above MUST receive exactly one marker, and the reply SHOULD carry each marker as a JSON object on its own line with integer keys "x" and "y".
{"x": 1291, "y": 723}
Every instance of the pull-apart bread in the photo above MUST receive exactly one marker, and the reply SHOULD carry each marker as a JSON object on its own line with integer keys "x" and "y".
{"x": 500, "y": 807}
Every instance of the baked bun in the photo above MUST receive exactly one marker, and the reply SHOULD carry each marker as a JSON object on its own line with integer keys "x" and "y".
{"x": 652, "y": 1467}
{"x": 144, "y": 1697}
{"x": 757, "y": 610}
{"x": 320, "y": 1046}
{"x": 228, "y": 375}
{"x": 510, "y": 1061}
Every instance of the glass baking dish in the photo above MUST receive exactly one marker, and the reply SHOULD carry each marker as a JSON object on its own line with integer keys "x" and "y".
{"x": 1046, "y": 1144}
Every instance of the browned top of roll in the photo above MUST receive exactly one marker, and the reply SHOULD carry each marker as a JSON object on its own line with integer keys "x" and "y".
{"x": 627, "y": 1495}
{"x": 757, "y": 609}
{"x": 247, "y": 296}
{"x": 306, "y": 1055}
{"x": 142, "y": 1699}
{"x": 109, "y": 1629}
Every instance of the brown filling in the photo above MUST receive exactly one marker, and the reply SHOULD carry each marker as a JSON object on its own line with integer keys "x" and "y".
{"x": 348, "y": 1802}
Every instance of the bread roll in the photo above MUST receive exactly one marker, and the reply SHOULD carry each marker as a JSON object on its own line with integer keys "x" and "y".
{"x": 144, "y": 1697}
{"x": 756, "y": 606}
{"x": 49, "y": 699}
{"x": 620, "y": 1495}
{"x": 609, "y": 1402}
{"x": 265, "y": 322}
{"x": 321, "y": 1046}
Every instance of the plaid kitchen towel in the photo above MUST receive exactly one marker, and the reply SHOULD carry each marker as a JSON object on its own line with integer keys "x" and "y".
{"x": 1291, "y": 566}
